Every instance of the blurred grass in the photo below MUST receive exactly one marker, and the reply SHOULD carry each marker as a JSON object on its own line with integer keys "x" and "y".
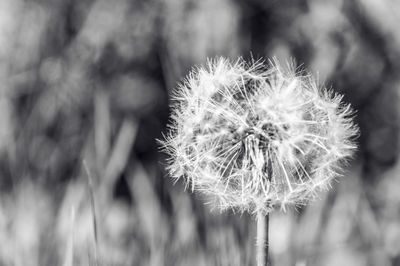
{"x": 89, "y": 80}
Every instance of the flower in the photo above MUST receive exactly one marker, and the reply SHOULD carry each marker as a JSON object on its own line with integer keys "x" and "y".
{"x": 256, "y": 136}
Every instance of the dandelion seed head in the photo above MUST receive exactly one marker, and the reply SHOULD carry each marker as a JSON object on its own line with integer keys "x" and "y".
{"x": 255, "y": 136}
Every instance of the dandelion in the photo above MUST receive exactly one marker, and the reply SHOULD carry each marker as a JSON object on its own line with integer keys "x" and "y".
{"x": 256, "y": 137}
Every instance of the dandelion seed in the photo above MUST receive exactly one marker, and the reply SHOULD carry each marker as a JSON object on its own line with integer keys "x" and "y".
{"x": 257, "y": 137}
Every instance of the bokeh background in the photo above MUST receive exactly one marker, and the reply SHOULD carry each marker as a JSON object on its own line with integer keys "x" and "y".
{"x": 84, "y": 89}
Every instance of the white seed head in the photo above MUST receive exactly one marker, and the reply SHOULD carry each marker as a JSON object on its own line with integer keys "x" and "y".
{"x": 256, "y": 136}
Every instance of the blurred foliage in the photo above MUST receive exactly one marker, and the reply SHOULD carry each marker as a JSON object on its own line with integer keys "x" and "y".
{"x": 86, "y": 80}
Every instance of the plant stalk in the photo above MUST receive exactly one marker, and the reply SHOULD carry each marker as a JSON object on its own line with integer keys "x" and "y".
{"x": 262, "y": 239}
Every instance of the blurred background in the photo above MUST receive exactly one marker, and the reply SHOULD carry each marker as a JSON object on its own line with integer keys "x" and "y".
{"x": 84, "y": 90}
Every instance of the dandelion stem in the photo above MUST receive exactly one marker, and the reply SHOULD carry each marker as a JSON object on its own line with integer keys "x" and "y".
{"x": 262, "y": 239}
{"x": 263, "y": 227}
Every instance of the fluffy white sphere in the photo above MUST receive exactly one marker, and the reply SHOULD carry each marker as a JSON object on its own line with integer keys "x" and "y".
{"x": 257, "y": 136}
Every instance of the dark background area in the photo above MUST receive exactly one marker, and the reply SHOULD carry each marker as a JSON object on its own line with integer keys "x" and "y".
{"x": 89, "y": 81}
